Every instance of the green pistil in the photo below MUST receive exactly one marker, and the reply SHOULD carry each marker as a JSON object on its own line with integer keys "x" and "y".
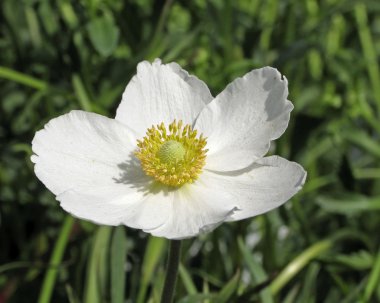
{"x": 171, "y": 151}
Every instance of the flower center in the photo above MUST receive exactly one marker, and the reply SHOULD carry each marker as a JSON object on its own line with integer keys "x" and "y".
{"x": 171, "y": 151}
{"x": 172, "y": 156}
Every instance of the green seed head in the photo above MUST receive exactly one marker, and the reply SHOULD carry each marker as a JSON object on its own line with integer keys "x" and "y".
{"x": 171, "y": 151}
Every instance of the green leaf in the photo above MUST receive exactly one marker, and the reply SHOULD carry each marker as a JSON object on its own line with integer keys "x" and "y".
{"x": 186, "y": 280}
{"x": 55, "y": 260}
{"x": 364, "y": 141}
{"x": 12, "y": 75}
{"x": 373, "y": 280}
{"x": 118, "y": 259}
{"x": 97, "y": 273}
{"x": 308, "y": 294}
{"x": 359, "y": 260}
{"x": 104, "y": 35}
{"x": 48, "y": 18}
{"x": 81, "y": 93}
{"x": 71, "y": 295}
{"x": 292, "y": 294}
{"x": 369, "y": 49}
{"x": 228, "y": 290}
{"x": 298, "y": 263}
{"x": 257, "y": 272}
{"x": 153, "y": 254}
{"x": 198, "y": 298}
{"x": 352, "y": 204}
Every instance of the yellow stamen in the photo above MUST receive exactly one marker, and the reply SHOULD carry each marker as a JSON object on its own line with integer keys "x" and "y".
{"x": 173, "y": 157}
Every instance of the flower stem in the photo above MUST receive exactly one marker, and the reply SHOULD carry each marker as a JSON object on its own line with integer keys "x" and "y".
{"x": 171, "y": 271}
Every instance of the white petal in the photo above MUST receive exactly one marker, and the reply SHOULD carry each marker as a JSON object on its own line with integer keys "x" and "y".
{"x": 267, "y": 184}
{"x": 156, "y": 209}
{"x": 242, "y": 120}
{"x": 197, "y": 85}
{"x": 161, "y": 93}
{"x": 107, "y": 205}
{"x": 195, "y": 209}
{"x": 114, "y": 205}
{"x": 81, "y": 149}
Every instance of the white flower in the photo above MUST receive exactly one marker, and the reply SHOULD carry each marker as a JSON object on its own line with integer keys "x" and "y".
{"x": 200, "y": 164}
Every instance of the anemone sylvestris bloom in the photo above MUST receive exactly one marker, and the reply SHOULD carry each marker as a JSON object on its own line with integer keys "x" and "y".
{"x": 175, "y": 161}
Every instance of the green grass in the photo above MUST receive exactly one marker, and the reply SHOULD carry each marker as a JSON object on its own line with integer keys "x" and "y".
{"x": 322, "y": 246}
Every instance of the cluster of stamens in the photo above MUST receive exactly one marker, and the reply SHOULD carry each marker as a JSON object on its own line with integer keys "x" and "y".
{"x": 173, "y": 157}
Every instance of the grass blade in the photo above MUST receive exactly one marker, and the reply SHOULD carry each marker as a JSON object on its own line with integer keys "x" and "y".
{"x": 186, "y": 280}
{"x": 81, "y": 93}
{"x": 295, "y": 266}
{"x": 373, "y": 281}
{"x": 153, "y": 253}
{"x": 229, "y": 289}
{"x": 12, "y": 75}
{"x": 97, "y": 273}
{"x": 256, "y": 271}
{"x": 118, "y": 259}
{"x": 368, "y": 50}
{"x": 55, "y": 260}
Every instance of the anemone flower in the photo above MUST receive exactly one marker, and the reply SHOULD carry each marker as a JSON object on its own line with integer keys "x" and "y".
{"x": 175, "y": 161}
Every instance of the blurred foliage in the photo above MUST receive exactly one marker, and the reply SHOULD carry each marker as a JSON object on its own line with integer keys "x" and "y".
{"x": 323, "y": 246}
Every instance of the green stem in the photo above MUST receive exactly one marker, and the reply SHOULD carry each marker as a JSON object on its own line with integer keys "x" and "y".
{"x": 55, "y": 260}
{"x": 171, "y": 271}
